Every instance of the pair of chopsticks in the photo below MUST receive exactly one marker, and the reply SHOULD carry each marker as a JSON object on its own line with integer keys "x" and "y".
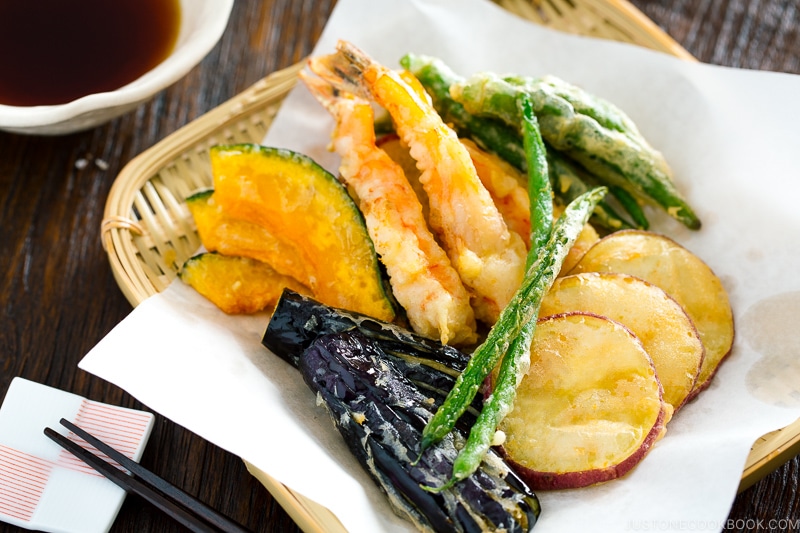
{"x": 182, "y": 507}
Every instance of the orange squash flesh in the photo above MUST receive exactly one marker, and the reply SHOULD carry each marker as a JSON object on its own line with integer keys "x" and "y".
{"x": 306, "y": 207}
{"x": 220, "y": 232}
{"x": 237, "y": 285}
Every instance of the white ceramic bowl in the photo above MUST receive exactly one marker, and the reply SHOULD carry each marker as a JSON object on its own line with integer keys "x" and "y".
{"x": 202, "y": 25}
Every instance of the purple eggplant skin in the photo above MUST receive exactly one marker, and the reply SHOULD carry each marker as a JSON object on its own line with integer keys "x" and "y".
{"x": 298, "y": 320}
{"x": 380, "y": 414}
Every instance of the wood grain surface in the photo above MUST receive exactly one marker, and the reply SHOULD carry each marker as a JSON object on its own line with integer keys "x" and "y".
{"x": 58, "y": 297}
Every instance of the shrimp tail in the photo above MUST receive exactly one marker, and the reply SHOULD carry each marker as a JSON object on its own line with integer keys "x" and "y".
{"x": 344, "y": 69}
{"x": 325, "y": 93}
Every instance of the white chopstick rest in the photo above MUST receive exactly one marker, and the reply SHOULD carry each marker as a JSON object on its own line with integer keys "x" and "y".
{"x": 42, "y": 486}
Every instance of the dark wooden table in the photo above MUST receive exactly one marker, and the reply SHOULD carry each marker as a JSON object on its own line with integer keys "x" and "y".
{"x": 58, "y": 297}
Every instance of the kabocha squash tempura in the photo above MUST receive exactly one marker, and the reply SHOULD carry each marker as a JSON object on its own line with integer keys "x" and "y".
{"x": 497, "y": 225}
{"x": 313, "y": 215}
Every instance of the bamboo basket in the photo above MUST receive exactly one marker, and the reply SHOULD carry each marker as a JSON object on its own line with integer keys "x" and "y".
{"x": 148, "y": 233}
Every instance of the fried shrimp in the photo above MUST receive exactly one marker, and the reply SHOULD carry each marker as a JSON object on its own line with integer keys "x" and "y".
{"x": 488, "y": 257}
{"x": 423, "y": 280}
{"x": 504, "y": 183}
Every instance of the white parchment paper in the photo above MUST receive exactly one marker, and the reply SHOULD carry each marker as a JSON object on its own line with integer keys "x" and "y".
{"x": 731, "y": 137}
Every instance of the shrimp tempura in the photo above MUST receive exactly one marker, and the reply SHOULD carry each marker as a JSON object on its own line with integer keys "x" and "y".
{"x": 422, "y": 278}
{"x": 504, "y": 183}
{"x": 488, "y": 257}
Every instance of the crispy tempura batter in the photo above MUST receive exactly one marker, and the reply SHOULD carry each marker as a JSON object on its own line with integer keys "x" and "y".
{"x": 504, "y": 183}
{"x": 489, "y": 258}
{"x": 422, "y": 278}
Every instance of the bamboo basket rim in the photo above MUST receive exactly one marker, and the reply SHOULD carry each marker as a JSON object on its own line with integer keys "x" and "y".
{"x": 146, "y": 229}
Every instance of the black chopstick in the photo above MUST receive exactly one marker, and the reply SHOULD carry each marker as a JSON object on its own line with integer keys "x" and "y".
{"x": 182, "y": 507}
{"x": 214, "y": 517}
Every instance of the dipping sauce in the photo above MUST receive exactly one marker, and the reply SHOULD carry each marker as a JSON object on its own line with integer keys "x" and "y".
{"x": 55, "y": 51}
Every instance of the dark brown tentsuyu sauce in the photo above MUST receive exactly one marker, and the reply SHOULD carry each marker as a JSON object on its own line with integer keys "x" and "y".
{"x": 55, "y": 51}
